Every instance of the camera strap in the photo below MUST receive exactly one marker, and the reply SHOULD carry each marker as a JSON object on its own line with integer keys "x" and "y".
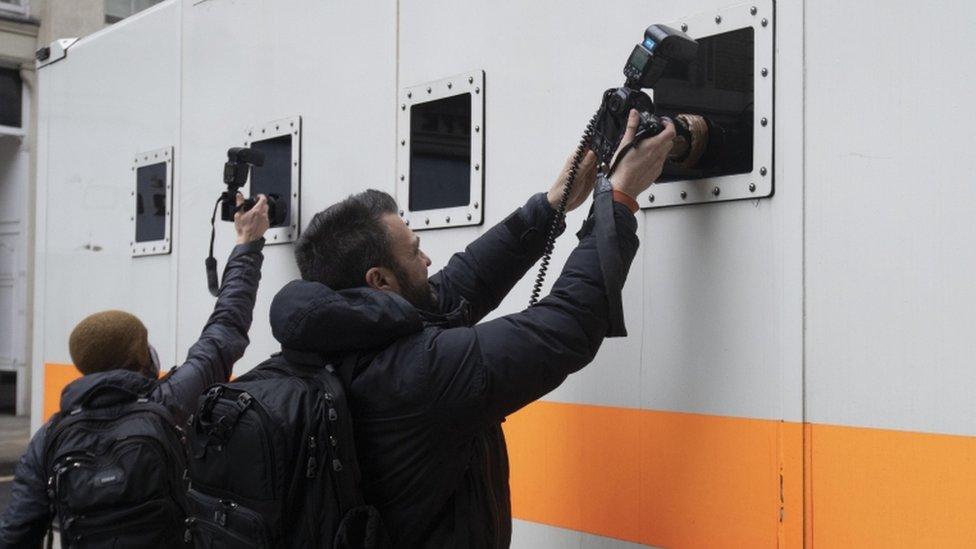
{"x": 608, "y": 250}
{"x": 212, "y": 284}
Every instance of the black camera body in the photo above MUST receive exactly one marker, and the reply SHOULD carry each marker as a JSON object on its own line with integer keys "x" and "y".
{"x": 643, "y": 69}
{"x": 645, "y": 66}
{"x": 236, "y": 169}
{"x": 611, "y": 120}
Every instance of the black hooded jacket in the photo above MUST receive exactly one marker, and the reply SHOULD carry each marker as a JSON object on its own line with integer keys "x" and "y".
{"x": 209, "y": 361}
{"x": 430, "y": 390}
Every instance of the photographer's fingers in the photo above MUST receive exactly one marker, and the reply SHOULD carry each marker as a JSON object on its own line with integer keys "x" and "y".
{"x": 589, "y": 163}
{"x": 585, "y": 180}
{"x": 633, "y": 120}
{"x": 661, "y": 144}
{"x": 663, "y": 140}
{"x": 238, "y": 212}
{"x": 657, "y": 148}
{"x": 588, "y": 172}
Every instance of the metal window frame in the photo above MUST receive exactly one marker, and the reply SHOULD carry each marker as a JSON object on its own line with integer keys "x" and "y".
{"x": 130, "y": 12}
{"x": 279, "y": 128}
{"x": 19, "y": 131}
{"x": 472, "y": 213}
{"x": 153, "y": 247}
{"x": 758, "y": 183}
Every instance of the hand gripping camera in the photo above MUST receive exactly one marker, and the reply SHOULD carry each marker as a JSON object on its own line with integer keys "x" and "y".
{"x": 239, "y": 163}
{"x": 645, "y": 66}
{"x": 236, "y": 169}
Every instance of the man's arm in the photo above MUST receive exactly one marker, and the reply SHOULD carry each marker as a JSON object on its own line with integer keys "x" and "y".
{"x": 486, "y": 372}
{"x": 27, "y": 516}
{"x": 224, "y": 338}
{"x": 489, "y": 267}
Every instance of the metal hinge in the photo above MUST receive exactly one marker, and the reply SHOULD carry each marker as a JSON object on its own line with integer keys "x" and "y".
{"x": 53, "y": 53}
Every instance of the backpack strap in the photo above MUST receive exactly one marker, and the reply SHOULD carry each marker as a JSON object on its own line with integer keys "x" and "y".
{"x": 220, "y": 430}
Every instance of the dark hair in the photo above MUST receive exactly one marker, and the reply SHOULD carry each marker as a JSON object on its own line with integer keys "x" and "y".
{"x": 347, "y": 239}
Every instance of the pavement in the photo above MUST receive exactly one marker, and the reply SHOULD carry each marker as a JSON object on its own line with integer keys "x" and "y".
{"x": 14, "y": 435}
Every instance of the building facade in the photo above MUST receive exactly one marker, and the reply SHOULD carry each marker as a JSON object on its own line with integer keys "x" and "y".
{"x": 25, "y": 26}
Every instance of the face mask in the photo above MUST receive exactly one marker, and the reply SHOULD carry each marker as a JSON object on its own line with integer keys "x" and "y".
{"x": 153, "y": 363}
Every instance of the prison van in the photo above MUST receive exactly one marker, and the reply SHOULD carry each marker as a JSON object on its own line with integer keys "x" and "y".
{"x": 800, "y": 365}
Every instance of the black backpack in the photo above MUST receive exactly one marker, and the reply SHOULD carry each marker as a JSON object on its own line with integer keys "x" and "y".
{"x": 115, "y": 466}
{"x": 273, "y": 462}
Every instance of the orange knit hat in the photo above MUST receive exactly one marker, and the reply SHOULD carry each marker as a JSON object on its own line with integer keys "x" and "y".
{"x": 109, "y": 340}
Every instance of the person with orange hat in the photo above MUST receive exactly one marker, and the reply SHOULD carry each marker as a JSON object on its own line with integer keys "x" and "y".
{"x": 115, "y": 446}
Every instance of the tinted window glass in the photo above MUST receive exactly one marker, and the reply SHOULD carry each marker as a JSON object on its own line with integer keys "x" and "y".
{"x": 11, "y": 106}
{"x": 274, "y": 177}
{"x": 8, "y": 392}
{"x": 440, "y": 153}
{"x": 718, "y": 85}
{"x": 151, "y": 202}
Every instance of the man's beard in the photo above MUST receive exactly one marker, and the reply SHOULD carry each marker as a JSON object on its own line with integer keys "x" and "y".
{"x": 420, "y": 296}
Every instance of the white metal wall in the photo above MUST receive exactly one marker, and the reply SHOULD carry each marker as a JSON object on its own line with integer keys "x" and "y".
{"x": 116, "y": 94}
{"x": 891, "y": 299}
{"x": 714, "y": 298}
{"x": 889, "y": 269}
{"x": 844, "y": 300}
{"x": 248, "y": 63}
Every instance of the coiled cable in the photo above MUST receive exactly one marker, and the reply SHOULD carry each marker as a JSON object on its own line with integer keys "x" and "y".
{"x": 560, "y": 218}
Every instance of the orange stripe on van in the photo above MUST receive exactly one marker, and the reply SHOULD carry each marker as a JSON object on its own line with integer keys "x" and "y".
{"x": 56, "y": 378}
{"x": 882, "y": 488}
{"x": 686, "y": 480}
{"x": 689, "y": 480}
{"x": 660, "y": 478}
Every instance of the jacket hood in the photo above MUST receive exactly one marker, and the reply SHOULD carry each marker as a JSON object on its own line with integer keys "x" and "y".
{"x": 311, "y": 317}
{"x": 105, "y": 388}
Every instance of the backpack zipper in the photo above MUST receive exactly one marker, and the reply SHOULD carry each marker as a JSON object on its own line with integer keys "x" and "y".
{"x": 311, "y": 468}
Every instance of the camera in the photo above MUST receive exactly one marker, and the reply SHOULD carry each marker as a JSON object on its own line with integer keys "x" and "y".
{"x": 240, "y": 160}
{"x": 645, "y": 66}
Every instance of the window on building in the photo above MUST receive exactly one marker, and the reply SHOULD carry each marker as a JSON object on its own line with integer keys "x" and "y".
{"x": 8, "y": 393}
{"x": 151, "y": 202}
{"x": 19, "y": 6}
{"x": 273, "y": 178}
{"x": 719, "y": 84}
{"x": 11, "y": 98}
{"x": 117, "y": 10}
{"x": 440, "y": 153}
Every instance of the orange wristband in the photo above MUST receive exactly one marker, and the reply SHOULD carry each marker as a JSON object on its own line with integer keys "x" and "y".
{"x": 626, "y": 200}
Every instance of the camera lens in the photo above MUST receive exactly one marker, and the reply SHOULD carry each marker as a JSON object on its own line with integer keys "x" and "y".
{"x": 277, "y": 210}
